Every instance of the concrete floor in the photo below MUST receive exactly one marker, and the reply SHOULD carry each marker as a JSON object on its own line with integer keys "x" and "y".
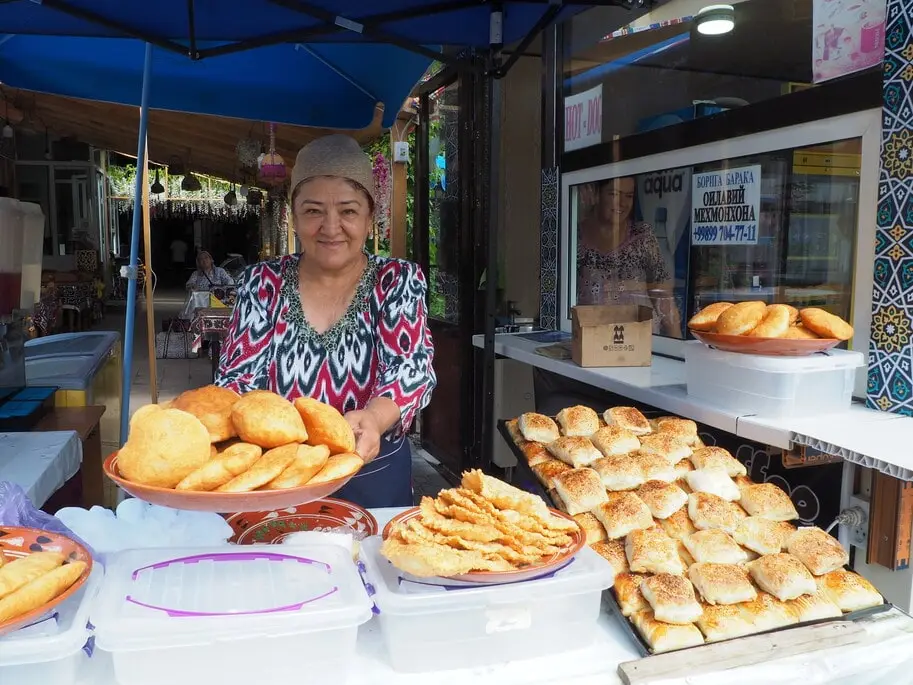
{"x": 177, "y": 375}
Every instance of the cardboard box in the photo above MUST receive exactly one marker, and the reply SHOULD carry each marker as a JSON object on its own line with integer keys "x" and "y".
{"x": 612, "y": 335}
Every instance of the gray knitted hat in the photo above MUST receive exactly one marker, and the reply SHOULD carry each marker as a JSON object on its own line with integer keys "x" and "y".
{"x": 334, "y": 155}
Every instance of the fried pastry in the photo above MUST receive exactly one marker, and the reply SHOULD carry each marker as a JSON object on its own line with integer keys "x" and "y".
{"x": 820, "y": 552}
{"x": 618, "y": 472}
{"x": 705, "y": 320}
{"x": 825, "y": 325}
{"x": 711, "y": 512}
{"x": 672, "y": 598}
{"x": 800, "y": 333}
{"x": 684, "y": 554}
{"x": 578, "y": 421}
{"x": 337, "y": 467}
{"x": 614, "y": 440}
{"x": 535, "y": 452}
{"x": 783, "y": 576}
{"x": 574, "y": 450}
{"x": 24, "y": 570}
{"x": 324, "y": 425}
{"x": 714, "y": 547}
{"x": 768, "y": 501}
{"x": 815, "y": 607}
{"x": 665, "y": 637}
{"x": 581, "y": 490}
{"x": 725, "y": 622}
{"x": 849, "y": 591}
{"x": 663, "y": 499}
{"x": 627, "y": 592}
{"x": 793, "y": 314}
{"x": 432, "y": 559}
{"x": 548, "y": 471}
{"x": 308, "y": 462}
{"x": 505, "y": 496}
{"x": 722, "y": 583}
{"x": 216, "y": 472}
{"x": 538, "y": 428}
{"x": 766, "y": 612}
{"x": 613, "y": 551}
{"x": 683, "y": 430}
{"x": 763, "y": 536}
{"x": 212, "y": 406}
{"x": 650, "y": 550}
{"x": 623, "y": 514}
{"x": 682, "y": 469}
{"x": 164, "y": 447}
{"x": 717, "y": 458}
{"x": 629, "y": 418}
{"x": 679, "y": 525}
{"x": 41, "y": 590}
{"x": 714, "y": 481}
{"x": 594, "y": 530}
{"x": 263, "y": 418}
{"x": 262, "y": 471}
{"x": 741, "y": 318}
{"x": 665, "y": 445}
{"x": 775, "y": 323}
{"x": 654, "y": 466}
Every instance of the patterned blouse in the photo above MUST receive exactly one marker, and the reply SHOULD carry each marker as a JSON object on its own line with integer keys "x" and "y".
{"x": 381, "y": 347}
{"x": 206, "y": 281}
{"x": 605, "y": 278}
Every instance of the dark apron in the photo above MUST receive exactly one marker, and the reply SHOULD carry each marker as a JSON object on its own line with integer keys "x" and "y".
{"x": 384, "y": 482}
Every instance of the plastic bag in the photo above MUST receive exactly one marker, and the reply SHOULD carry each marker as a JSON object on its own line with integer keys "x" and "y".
{"x": 16, "y": 509}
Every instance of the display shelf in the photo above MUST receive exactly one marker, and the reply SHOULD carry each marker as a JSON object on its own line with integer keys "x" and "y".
{"x": 861, "y": 436}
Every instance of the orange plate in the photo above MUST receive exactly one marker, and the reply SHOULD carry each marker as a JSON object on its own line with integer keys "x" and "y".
{"x": 18, "y": 542}
{"x": 768, "y": 347}
{"x": 545, "y": 566}
{"x": 223, "y": 502}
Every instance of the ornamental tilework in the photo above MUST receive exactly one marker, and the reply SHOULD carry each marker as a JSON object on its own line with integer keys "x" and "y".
{"x": 890, "y": 380}
{"x": 548, "y": 250}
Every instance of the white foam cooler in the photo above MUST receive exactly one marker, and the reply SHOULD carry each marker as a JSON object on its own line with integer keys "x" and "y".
{"x": 231, "y": 615}
{"x": 429, "y": 627}
{"x": 772, "y": 387}
{"x": 50, "y": 652}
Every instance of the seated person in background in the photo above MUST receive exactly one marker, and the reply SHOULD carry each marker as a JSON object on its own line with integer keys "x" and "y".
{"x": 207, "y": 275}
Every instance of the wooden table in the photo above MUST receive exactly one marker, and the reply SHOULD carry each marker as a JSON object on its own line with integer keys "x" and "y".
{"x": 85, "y": 422}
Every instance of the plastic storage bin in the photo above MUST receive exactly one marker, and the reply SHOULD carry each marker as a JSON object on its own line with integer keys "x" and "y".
{"x": 430, "y": 628}
{"x": 772, "y": 386}
{"x": 51, "y": 652}
{"x": 229, "y": 615}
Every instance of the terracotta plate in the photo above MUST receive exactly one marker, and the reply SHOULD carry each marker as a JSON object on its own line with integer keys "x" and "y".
{"x": 223, "y": 502}
{"x": 768, "y": 347}
{"x": 545, "y": 566}
{"x": 18, "y": 542}
{"x": 271, "y": 527}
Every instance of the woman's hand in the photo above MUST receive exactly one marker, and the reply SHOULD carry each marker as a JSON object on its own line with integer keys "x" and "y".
{"x": 367, "y": 431}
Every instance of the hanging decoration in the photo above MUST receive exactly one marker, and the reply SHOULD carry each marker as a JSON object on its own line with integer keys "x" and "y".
{"x": 272, "y": 166}
{"x": 157, "y": 187}
{"x": 176, "y": 166}
{"x": 254, "y": 197}
{"x": 276, "y": 208}
{"x": 231, "y": 199}
{"x": 249, "y": 152}
{"x": 191, "y": 183}
{"x": 382, "y": 177}
{"x": 190, "y": 210}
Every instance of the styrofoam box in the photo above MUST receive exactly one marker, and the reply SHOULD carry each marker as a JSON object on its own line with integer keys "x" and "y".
{"x": 50, "y": 652}
{"x": 429, "y": 627}
{"x": 231, "y": 615}
{"x": 772, "y": 386}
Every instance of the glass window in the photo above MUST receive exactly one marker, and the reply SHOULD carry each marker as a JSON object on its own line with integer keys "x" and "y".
{"x": 778, "y": 226}
{"x": 659, "y": 71}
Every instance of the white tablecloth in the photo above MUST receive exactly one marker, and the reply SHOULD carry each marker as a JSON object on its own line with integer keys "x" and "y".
{"x": 40, "y": 463}
{"x": 883, "y": 660}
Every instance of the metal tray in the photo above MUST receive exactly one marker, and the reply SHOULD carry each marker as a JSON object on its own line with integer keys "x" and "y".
{"x": 611, "y": 602}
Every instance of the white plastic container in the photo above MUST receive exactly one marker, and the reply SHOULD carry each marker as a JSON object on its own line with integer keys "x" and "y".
{"x": 32, "y": 252}
{"x": 51, "y": 652}
{"x": 772, "y": 387}
{"x": 431, "y": 628}
{"x": 231, "y": 615}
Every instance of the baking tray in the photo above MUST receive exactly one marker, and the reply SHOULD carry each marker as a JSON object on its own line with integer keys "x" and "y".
{"x": 611, "y": 602}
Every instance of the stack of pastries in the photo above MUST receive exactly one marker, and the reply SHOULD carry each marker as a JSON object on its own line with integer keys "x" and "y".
{"x": 700, "y": 552}
{"x": 213, "y": 440}
{"x": 760, "y": 320}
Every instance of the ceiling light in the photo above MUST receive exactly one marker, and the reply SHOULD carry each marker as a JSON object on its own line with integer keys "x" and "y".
{"x": 8, "y": 131}
{"x": 715, "y": 20}
{"x": 191, "y": 184}
{"x": 157, "y": 187}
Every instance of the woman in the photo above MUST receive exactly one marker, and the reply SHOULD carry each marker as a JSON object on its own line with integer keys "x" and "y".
{"x": 619, "y": 260}
{"x": 337, "y": 324}
{"x": 208, "y": 275}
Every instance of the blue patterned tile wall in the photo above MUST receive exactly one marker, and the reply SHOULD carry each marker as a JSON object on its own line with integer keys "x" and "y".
{"x": 890, "y": 380}
{"x": 548, "y": 249}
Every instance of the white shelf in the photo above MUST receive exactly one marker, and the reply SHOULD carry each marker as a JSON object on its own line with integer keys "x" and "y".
{"x": 862, "y": 436}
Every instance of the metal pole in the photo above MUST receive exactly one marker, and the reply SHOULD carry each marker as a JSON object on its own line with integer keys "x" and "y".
{"x": 134, "y": 248}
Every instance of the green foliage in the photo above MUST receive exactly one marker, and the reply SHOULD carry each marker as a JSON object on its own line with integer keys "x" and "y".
{"x": 122, "y": 180}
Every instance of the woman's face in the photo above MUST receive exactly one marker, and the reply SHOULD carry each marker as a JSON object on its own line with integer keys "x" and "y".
{"x": 332, "y": 221}
{"x": 205, "y": 262}
{"x": 616, "y": 200}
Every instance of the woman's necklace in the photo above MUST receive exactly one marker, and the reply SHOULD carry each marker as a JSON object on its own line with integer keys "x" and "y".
{"x": 326, "y": 304}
